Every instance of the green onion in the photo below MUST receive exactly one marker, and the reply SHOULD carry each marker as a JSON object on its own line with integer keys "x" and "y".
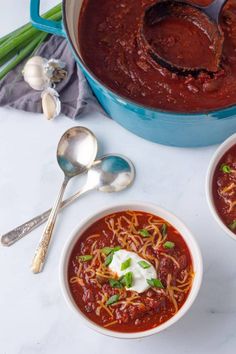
{"x": 115, "y": 283}
{"x": 112, "y": 300}
{"x": 144, "y": 264}
{"x": 232, "y": 225}
{"x": 85, "y": 258}
{"x": 144, "y": 233}
{"x": 21, "y": 43}
{"x": 125, "y": 264}
{"x": 169, "y": 244}
{"x": 22, "y": 55}
{"x": 24, "y": 28}
{"x": 225, "y": 168}
{"x": 155, "y": 283}
{"x": 108, "y": 250}
{"x": 127, "y": 280}
{"x": 164, "y": 230}
{"x": 110, "y": 253}
{"x": 108, "y": 260}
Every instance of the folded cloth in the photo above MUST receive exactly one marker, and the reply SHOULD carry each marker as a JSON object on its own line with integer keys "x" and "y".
{"x": 75, "y": 94}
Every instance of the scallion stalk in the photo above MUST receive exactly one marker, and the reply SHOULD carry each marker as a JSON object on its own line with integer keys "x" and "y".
{"x": 23, "y": 54}
{"x": 22, "y": 42}
{"x": 14, "y": 42}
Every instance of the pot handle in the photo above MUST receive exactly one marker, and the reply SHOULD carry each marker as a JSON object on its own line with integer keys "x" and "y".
{"x": 54, "y": 27}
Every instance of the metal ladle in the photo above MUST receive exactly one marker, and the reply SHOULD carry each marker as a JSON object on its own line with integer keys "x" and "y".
{"x": 204, "y": 17}
{"x": 111, "y": 173}
{"x": 76, "y": 152}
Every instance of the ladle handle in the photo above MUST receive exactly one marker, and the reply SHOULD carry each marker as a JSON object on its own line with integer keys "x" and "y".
{"x": 214, "y": 9}
{"x": 41, "y": 252}
{"x": 20, "y": 231}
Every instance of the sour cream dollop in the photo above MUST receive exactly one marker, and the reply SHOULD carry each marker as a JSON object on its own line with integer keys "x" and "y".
{"x": 140, "y": 275}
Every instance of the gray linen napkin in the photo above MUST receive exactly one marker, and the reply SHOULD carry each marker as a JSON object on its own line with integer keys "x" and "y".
{"x": 75, "y": 94}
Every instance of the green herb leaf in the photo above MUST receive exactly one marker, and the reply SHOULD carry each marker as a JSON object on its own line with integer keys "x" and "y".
{"x": 144, "y": 264}
{"x": 112, "y": 300}
{"x": 144, "y": 233}
{"x": 232, "y": 225}
{"x": 169, "y": 244}
{"x": 164, "y": 230}
{"x": 108, "y": 250}
{"x": 125, "y": 264}
{"x": 155, "y": 283}
{"x": 115, "y": 283}
{"x": 127, "y": 280}
{"x": 225, "y": 168}
{"x": 85, "y": 258}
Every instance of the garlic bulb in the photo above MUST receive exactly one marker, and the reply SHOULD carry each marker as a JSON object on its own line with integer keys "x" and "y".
{"x": 41, "y": 73}
{"x": 34, "y": 73}
{"x": 51, "y": 103}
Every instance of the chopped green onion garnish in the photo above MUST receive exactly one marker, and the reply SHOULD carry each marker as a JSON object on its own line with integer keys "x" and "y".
{"x": 155, "y": 283}
{"x": 85, "y": 258}
{"x": 109, "y": 258}
{"x": 164, "y": 230}
{"x": 127, "y": 280}
{"x": 144, "y": 264}
{"x": 110, "y": 253}
{"x": 108, "y": 250}
{"x": 169, "y": 244}
{"x": 232, "y": 225}
{"x": 115, "y": 283}
{"x": 125, "y": 264}
{"x": 144, "y": 233}
{"x": 112, "y": 300}
{"x": 225, "y": 168}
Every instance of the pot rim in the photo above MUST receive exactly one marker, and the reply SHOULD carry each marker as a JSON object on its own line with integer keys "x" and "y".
{"x": 221, "y": 113}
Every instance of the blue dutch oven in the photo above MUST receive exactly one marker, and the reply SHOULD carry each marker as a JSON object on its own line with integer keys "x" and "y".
{"x": 185, "y": 130}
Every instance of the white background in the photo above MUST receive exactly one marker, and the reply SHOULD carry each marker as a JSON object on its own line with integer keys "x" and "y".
{"x": 33, "y": 315}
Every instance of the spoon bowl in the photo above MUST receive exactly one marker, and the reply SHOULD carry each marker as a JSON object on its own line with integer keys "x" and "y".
{"x": 112, "y": 173}
{"x": 76, "y": 151}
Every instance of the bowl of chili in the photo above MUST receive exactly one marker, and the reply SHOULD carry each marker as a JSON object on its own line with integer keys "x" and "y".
{"x": 130, "y": 270}
{"x": 221, "y": 186}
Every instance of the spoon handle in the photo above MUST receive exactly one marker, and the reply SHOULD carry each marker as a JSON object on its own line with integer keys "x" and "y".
{"x": 20, "y": 231}
{"x": 41, "y": 252}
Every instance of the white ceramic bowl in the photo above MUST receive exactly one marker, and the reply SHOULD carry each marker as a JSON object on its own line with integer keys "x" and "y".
{"x": 140, "y": 206}
{"x": 222, "y": 149}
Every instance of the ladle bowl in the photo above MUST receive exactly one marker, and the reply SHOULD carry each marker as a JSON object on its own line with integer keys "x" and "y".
{"x": 201, "y": 30}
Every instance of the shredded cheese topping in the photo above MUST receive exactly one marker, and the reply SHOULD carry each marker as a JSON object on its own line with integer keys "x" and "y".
{"x": 126, "y": 229}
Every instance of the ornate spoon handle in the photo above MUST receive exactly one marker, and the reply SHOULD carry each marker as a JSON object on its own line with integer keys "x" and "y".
{"x": 20, "y": 231}
{"x": 16, "y": 234}
{"x": 42, "y": 249}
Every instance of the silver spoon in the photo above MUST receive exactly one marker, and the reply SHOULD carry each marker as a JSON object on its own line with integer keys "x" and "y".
{"x": 76, "y": 152}
{"x": 112, "y": 173}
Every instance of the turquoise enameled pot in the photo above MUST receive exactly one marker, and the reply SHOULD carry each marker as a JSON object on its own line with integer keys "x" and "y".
{"x": 184, "y": 130}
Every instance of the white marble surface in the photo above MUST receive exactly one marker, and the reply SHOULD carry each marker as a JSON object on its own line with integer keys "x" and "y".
{"x": 33, "y": 316}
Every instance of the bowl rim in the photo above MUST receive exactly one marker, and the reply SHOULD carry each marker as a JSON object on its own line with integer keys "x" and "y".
{"x": 141, "y": 206}
{"x": 218, "y": 112}
{"x": 218, "y": 154}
